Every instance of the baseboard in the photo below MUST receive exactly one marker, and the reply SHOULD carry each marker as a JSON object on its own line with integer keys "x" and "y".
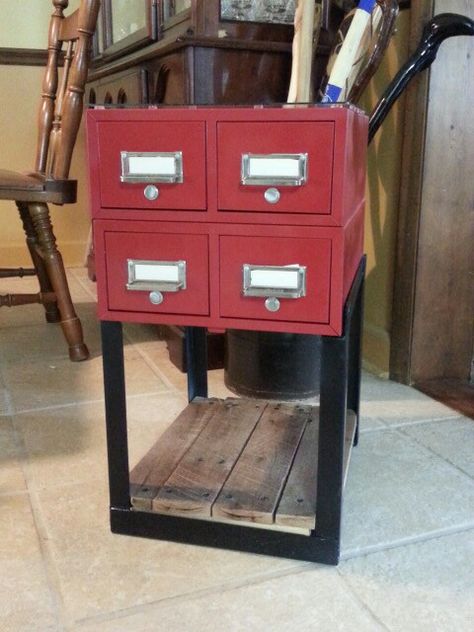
{"x": 455, "y": 393}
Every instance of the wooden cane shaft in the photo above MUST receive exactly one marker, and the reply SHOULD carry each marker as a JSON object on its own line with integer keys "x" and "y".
{"x": 305, "y": 53}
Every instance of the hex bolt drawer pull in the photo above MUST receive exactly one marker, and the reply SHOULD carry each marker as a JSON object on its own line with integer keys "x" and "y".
{"x": 272, "y": 195}
{"x": 151, "y": 192}
{"x": 272, "y": 304}
{"x": 156, "y": 298}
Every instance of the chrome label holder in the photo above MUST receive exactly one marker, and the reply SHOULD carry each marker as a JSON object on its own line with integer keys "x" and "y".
{"x": 274, "y": 281}
{"x": 274, "y": 170}
{"x": 162, "y": 276}
{"x": 153, "y": 167}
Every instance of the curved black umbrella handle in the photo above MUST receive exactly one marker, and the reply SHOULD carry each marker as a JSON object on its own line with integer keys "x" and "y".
{"x": 438, "y": 29}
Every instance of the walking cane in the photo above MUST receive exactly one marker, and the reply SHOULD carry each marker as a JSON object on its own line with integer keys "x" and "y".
{"x": 440, "y": 28}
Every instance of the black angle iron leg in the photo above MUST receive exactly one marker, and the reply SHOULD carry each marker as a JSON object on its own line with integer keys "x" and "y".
{"x": 354, "y": 326}
{"x": 116, "y": 414}
{"x": 332, "y": 422}
{"x": 339, "y": 387}
{"x": 196, "y": 361}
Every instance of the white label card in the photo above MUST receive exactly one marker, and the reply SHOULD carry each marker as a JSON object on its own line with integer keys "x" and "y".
{"x": 152, "y": 165}
{"x": 274, "y": 167}
{"x": 156, "y": 272}
{"x": 275, "y": 279}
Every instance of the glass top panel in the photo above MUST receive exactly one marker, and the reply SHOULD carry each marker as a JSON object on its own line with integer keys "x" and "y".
{"x": 128, "y": 17}
{"x": 274, "y": 11}
{"x": 174, "y": 7}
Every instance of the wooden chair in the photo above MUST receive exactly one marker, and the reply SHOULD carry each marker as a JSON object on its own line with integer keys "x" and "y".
{"x": 58, "y": 123}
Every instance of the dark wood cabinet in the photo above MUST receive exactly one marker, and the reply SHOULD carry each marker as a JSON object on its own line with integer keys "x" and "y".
{"x": 199, "y": 57}
{"x": 127, "y": 24}
{"x": 196, "y": 58}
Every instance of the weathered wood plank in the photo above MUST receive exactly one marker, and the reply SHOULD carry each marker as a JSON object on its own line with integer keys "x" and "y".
{"x": 197, "y": 480}
{"x": 297, "y": 507}
{"x": 257, "y": 525}
{"x": 150, "y": 474}
{"x": 253, "y": 489}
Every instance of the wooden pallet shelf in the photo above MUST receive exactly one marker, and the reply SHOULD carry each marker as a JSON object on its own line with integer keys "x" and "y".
{"x": 236, "y": 460}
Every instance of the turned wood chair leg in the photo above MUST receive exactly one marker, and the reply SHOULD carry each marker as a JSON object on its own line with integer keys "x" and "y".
{"x": 51, "y": 309}
{"x": 54, "y": 266}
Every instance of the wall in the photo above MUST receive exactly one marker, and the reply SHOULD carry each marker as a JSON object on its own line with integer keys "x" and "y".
{"x": 384, "y": 168}
{"x": 21, "y": 89}
{"x": 18, "y": 32}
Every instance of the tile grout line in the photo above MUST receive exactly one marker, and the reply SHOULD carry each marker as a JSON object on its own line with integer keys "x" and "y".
{"x": 20, "y": 457}
{"x": 83, "y": 285}
{"x": 15, "y": 494}
{"x": 8, "y": 400}
{"x": 432, "y": 535}
{"x": 384, "y": 425}
{"x": 435, "y": 453}
{"x": 360, "y": 601}
{"x": 87, "y": 402}
{"x": 419, "y": 422}
{"x": 371, "y": 430}
{"x": 49, "y": 569}
{"x": 431, "y": 452}
{"x": 249, "y": 581}
{"x": 153, "y": 366}
{"x": 437, "y": 534}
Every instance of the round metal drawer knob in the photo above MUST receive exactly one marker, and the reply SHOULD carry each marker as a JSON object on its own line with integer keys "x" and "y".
{"x": 156, "y": 298}
{"x": 272, "y": 195}
{"x": 272, "y": 304}
{"x": 151, "y": 192}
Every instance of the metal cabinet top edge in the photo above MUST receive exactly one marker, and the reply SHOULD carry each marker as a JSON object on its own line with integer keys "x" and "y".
{"x": 321, "y": 112}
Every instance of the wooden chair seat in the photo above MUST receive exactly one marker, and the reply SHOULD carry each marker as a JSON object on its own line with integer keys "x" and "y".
{"x": 34, "y": 187}
{"x": 58, "y": 123}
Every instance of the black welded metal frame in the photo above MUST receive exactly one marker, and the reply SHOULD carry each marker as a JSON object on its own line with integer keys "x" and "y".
{"x": 339, "y": 391}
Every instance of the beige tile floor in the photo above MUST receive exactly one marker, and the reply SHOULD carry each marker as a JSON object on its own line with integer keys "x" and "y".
{"x": 408, "y": 539}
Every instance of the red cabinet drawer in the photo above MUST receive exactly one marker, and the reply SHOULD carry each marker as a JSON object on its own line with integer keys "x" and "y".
{"x": 269, "y": 155}
{"x": 157, "y": 143}
{"x": 157, "y": 272}
{"x": 254, "y": 269}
